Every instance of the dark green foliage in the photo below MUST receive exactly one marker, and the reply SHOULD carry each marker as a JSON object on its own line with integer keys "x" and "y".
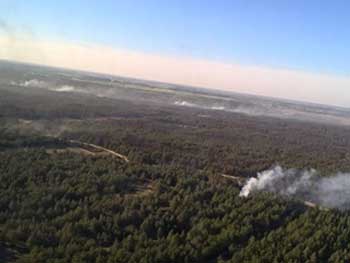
{"x": 71, "y": 208}
{"x": 67, "y": 207}
{"x": 170, "y": 202}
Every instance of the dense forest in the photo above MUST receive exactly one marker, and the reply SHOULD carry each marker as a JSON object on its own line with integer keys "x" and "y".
{"x": 64, "y": 207}
{"x": 61, "y": 201}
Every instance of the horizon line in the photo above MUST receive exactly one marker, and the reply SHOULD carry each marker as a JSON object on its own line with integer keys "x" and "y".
{"x": 199, "y": 88}
{"x": 287, "y": 84}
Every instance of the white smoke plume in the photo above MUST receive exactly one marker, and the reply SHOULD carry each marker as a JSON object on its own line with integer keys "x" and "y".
{"x": 307, "y": 185}
{"x": 186, "y": 104}
{"x": 65, "y": 88}
{"x": 34, "y": 83}
{"x": 217, "y": 108}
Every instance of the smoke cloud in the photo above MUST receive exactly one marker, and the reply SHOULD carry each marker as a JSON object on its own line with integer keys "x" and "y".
{"x": 186, "y": 104}
{"x": 34, "y": 83}
{"x": 65, "y": 88}
{"x": 307, "y": 185}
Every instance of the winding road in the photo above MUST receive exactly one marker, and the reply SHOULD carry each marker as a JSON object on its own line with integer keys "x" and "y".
{"x": 97, "y": 147}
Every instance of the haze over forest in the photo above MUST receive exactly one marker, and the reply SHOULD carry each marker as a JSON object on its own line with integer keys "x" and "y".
{"x": 172, "y": 131}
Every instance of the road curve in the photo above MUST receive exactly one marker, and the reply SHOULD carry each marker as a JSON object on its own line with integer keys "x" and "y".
{"x": 120, "y": 156}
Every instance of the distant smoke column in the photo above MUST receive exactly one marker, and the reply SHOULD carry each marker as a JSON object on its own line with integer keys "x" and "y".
{"x": 334, "y": 191}
{"x": 289, "y": 182}
{"x": 265, "y": 180}
{"x": 247, "y": 188}
{"x": 306, "y": 185}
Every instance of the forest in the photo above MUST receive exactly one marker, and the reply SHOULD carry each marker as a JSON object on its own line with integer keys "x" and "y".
{"x": 63, "y": 202}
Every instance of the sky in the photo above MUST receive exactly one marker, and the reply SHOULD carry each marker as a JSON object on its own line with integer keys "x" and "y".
{"x": 291, "y": 49}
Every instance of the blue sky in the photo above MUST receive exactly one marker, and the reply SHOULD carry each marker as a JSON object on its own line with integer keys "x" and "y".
{"x": 307, "y": 35}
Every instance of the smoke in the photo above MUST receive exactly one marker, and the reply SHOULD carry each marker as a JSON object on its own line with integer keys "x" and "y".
{"x": 34, "y": 83}
{"x": 190, "y": 104}
{"x": 217, "y": 108}
{"x": 65, "y": 88}
{"x": 186, "y": 104}
{"x": 307, "y": 185}
{"x": 40, "y": 127}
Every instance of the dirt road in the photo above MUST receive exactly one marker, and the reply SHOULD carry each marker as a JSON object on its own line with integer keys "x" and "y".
{"x": 97, "y": 147}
